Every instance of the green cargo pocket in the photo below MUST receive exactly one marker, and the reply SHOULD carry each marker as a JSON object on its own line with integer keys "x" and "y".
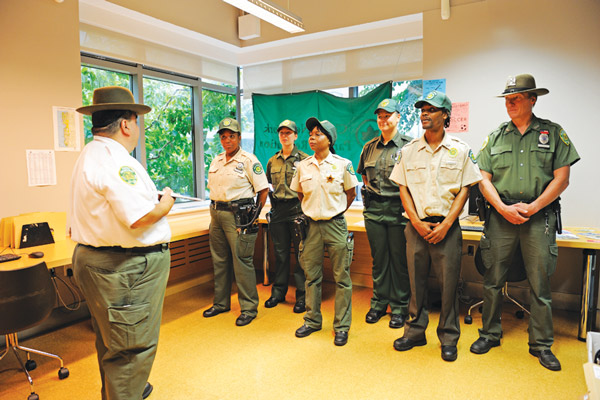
{"x": 487, "y": 258}
{"x": 245, "y": 245}
{"x": 128, "y": 326}
{"x": 553, "y": 248}
{"x": 350, "y": 251}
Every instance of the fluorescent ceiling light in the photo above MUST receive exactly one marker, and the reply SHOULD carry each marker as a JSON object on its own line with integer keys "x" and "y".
{"x": 270, "y": 13}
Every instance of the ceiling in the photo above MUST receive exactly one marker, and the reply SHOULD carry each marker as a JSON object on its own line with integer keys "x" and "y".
{"x": 209, "y": 27}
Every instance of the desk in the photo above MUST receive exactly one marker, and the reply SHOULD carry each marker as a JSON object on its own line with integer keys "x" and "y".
{"x": 586, "y": 239}
{"x": 183, "y": 225}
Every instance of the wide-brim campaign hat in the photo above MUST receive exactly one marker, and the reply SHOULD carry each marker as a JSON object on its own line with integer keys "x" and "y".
{"x": 524, "y": 83}
{"x": 114, "y": 98}
{"x": 325, "y": 126}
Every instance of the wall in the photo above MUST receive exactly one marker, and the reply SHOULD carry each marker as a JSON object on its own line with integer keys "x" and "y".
{"x": 556, "y": 41}
{"x": 40, "y": 68}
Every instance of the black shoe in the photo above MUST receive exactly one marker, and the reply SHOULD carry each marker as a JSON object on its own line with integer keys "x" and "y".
{"x": 449, "y": 353}
{"x": 272, "y": 302}
{"x": 305, "y": 330}
{"x": 547, "y": 359}
{"x": 211, "y": 312}
{"x": 374, "y": 315}
{"x": 341, "y": 338}
{"x": 397, "y": 321}
{"x": 147, "y": 390}
{"x": 483, "y": 345}
{"x": 244, "y": 319}
{"x": 405, "y": 343}
{"x": 300, "y": 307}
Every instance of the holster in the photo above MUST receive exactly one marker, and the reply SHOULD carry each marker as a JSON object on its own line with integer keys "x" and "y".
{"x": 366, "y": 198}
{"x": 246, "y": 216}
{"x": 301, "y": 223}
{"x": 555, "y": 207}
{"x": 483, "y": 208}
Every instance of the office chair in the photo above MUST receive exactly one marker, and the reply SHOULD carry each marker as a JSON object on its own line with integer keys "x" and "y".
{"x": 516, "y": 273}
{"x": 27, "y": 297}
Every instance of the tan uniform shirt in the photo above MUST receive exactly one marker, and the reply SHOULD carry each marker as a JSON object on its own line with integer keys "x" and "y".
{"x": 239, "y": 178}
{"x": 434, "y": 177}
{"x": 324, "y": 185}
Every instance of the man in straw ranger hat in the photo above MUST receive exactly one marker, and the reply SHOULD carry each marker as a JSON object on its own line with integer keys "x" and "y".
{"x": 122, "y": 258}
{"x": 525, "y": 164}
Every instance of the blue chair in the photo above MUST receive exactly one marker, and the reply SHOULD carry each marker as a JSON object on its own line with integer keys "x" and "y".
{"x": 27, "y": 297}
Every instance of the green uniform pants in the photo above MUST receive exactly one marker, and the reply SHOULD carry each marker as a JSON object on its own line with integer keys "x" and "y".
{"x": 282, "y": 232}
{"x": 232, "y": 254}
{"x": 540, "y": 251}
{"x": 332, "y": 235}
{"x": 385, "y": 230}
{"x": 444, "y": 257}
{"x": 124, "y": 293}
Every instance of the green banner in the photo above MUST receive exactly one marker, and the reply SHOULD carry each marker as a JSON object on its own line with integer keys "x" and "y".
{"x": 353, "y": 118}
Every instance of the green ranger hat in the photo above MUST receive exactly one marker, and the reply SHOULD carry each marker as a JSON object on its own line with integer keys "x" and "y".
{"x": 389, "y": 105}
{"x": 291, "y": 125}
{"x": 325, "y": 126}
{"x": 436, "y": 99}
{"x": 524, "y": 83}
{"x": 229, "y": 124}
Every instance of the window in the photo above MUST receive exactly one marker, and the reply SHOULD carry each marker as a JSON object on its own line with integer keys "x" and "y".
{"x": 93, "y": 78}
{"x": 215, "y": 107}
{"x": 168, "y": 132}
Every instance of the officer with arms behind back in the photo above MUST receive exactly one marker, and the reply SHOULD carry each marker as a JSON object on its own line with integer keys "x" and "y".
{"x": 326, "y": 185}
{"x": 383, "y": 218}
{"x": 525, "y": 165}
{"x": 434, "y": 173}
{"x": 233, "y": 178}
{"x": 285, "y": 207}
{"x": 122, "y": 259}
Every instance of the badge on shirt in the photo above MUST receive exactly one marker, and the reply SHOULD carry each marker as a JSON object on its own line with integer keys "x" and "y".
{"x": 350, "y": 169}
{"x": 452, "y": 152}
{"x": 333, "y": 167}
{"x": 396, "y": 156}
{"x": 330, "y": 179}
{"x": 472, "y": 156}
{"x": 257, "y": 169}
{"x": 239, "y": 168}
{"x": 128, "y": 175}
{"x": 543, "y": 140}
{"x": 564, "y": 137}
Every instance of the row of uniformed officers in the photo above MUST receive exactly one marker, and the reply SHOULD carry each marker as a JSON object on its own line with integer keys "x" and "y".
{"x": 425, "y": 181}
{"x": 414, "y": 193}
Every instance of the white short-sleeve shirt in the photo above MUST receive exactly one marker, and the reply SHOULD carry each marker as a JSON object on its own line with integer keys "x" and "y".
{"x": 110, "y": 190}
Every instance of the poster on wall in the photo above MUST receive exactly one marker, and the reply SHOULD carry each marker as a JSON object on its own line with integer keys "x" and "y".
{"x": 41, "y": 167}
{"x": 66, "y": 129}
{"x": 459, "y": 119}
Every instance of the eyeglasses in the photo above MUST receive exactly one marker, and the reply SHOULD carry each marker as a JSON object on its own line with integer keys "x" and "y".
{"x": 430, "y": 110}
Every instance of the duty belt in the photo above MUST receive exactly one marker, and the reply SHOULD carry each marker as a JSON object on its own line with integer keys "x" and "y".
{"x": 228, "y": 205}
{"x": 377, "y": 197}
{"x": 434, "y": 220}
{"x": 335, "y": 217}
{"x": 131, "y": 250}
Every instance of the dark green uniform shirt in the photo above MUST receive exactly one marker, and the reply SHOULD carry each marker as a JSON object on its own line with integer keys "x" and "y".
{"x": 523, "y": 165}
{"x": 280, "y": 173}
{"x": 377, "y": 161}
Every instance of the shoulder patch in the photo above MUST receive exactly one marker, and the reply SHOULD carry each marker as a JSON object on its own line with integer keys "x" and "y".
{"x": 564, "y": 137}
{"x": 485, "y": 142}
{"x": 350, "y": 168}
{"x": 128, "y": 175}
{"x": 472, "y": 156}
{"x": 257, "y": 168}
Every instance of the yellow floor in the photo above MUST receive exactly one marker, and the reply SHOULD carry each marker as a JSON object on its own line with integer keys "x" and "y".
{"x": 201, "y": 358}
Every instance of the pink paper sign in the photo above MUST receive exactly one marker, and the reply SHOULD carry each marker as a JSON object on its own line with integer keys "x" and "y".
{"x": 459, "y": 120}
